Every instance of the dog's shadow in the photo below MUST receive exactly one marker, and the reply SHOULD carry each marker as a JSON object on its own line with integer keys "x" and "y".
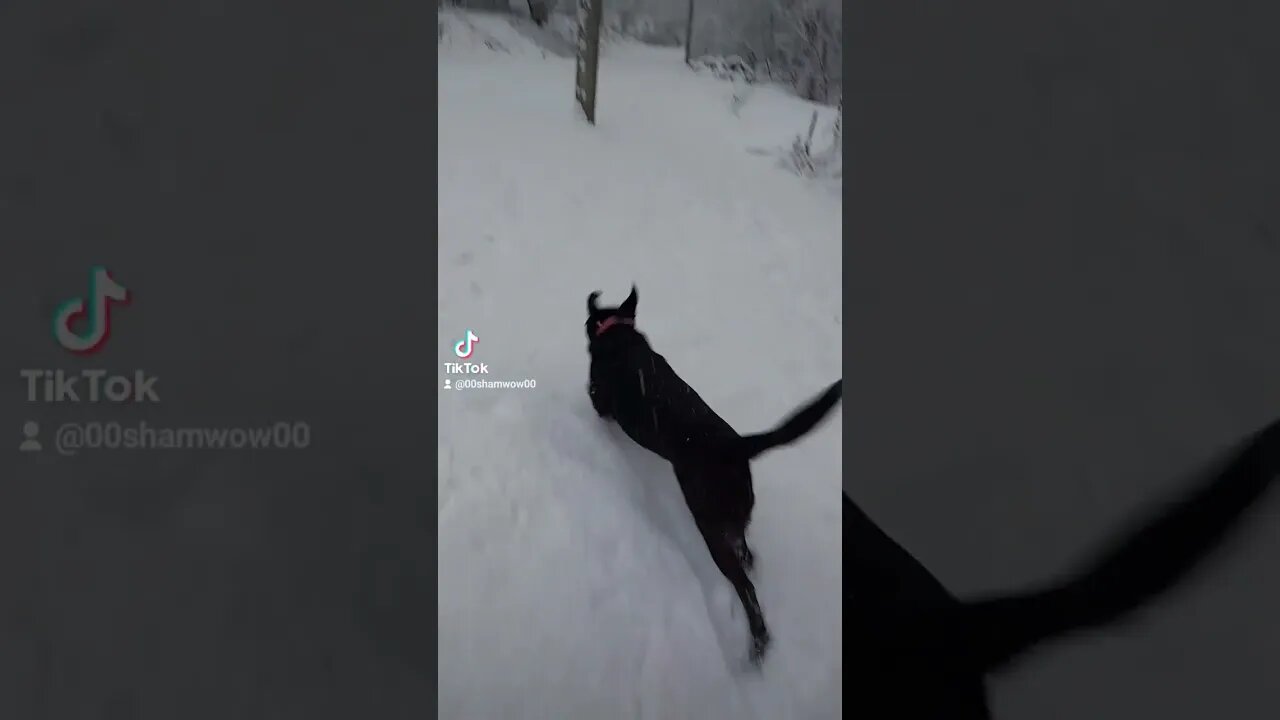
{"x": 651, "y": 483}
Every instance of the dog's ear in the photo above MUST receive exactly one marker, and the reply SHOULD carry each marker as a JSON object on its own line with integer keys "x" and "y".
{"x": 628, "y": 306}
{"x": 591, "y": 302}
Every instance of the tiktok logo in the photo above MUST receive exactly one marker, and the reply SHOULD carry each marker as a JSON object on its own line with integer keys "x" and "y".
{"x": 463, "y": 348}
{"x": 102, "y": 292}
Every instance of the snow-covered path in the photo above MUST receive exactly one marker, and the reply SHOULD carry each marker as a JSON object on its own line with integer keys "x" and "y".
{"x": 572, "y": 581}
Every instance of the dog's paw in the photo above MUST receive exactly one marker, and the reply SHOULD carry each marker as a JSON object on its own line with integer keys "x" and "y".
{"x": 759, "y": 645}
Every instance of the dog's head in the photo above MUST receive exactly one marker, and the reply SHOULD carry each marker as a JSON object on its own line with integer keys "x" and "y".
{"x": 608, "y": 319}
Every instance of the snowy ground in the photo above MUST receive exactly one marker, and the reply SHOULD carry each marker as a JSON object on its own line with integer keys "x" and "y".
{"x": 572, "y": 581}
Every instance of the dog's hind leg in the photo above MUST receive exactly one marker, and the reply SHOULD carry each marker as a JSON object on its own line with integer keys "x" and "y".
{"x": 743, "y": 551}
{"x": 720, "y": 541}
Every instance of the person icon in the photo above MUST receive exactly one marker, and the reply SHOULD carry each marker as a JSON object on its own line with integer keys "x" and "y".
{"x": 448, "y": 384}
{"x": 30, "y": 444}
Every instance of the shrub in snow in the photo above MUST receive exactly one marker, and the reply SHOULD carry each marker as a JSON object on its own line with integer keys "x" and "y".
{"x": 798, "y": 43}
{"x": 732, "y": 68}
{"x": 805, "y": 161}
{"x": 801, "y": 156}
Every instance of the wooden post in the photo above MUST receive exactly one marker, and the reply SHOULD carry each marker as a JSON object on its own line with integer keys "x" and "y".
{"x": 688, "y": 35}
{"x": 589, "y": 13}
{"x": 538, "y": 12}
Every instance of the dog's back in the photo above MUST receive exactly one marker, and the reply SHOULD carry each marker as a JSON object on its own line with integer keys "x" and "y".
{"x": 654, "y": 405}
{"x": 661, "y": 412}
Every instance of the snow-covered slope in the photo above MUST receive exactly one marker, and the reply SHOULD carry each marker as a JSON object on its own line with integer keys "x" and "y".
{"x": 572, "y": 581}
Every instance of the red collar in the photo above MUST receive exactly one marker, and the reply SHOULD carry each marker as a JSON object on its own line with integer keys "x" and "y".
{"x": 610, "y": 322}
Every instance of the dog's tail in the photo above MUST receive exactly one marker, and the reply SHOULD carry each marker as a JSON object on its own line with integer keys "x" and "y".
{"x": 1135, "y": 570}
{"x": 796, "y": 426}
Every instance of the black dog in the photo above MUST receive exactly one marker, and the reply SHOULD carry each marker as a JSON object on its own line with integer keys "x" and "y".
{"x": 916, "y": 651}
{"x": 636, "y": 387}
